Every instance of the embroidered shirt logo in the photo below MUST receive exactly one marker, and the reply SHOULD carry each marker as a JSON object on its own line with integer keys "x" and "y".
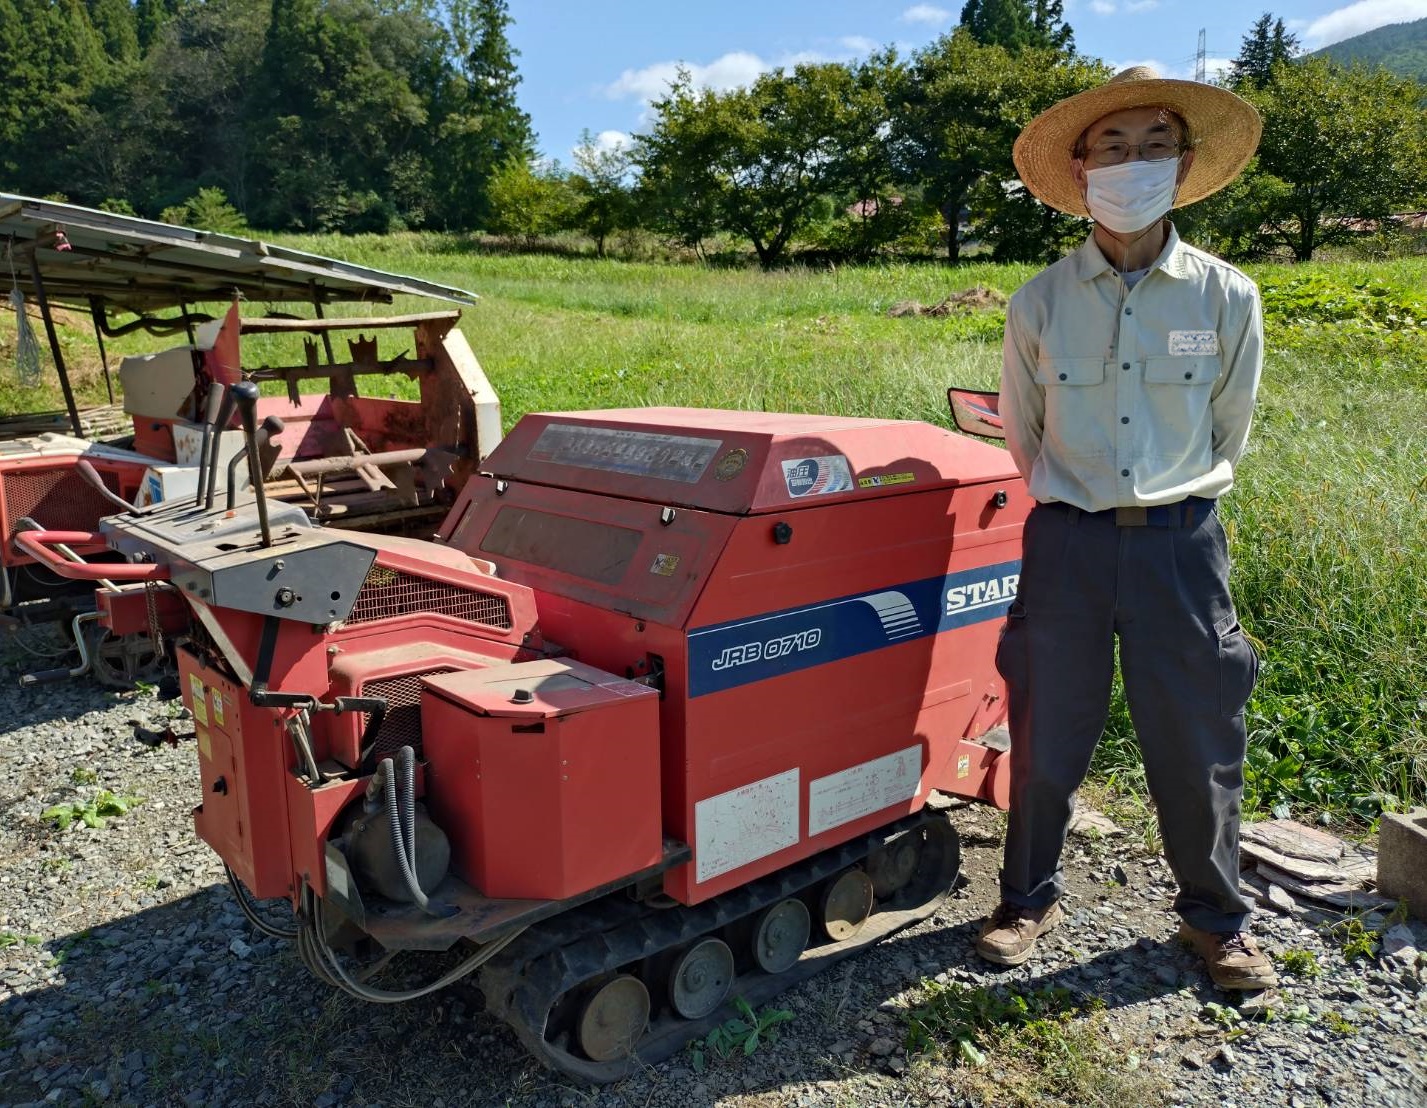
{"x": 1193, "y": 344}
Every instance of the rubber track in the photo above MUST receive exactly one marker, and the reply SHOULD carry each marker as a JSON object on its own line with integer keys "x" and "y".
{"x": 555, "y": 958}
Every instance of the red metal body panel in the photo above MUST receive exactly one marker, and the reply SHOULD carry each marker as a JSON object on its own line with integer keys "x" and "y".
{"x": 836, "y": 661}
{"x": 312, "y": 815}
{"x": 243, "y": 758}
{"x": 548, "y": 798}
{"x": 50, "y": 491}
{"x": 611, "y": 553}
{"x": 734, "y": 461}
{"x": 125, "y": 610}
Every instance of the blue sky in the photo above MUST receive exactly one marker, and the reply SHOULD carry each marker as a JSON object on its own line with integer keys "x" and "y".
{"x": 596, "y": 63}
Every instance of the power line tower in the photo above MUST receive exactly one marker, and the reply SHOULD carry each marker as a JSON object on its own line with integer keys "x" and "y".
{"x": 1199, "y": 59}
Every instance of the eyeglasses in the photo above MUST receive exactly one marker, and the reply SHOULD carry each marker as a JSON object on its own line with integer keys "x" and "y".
{"x": 1113, "y": 153}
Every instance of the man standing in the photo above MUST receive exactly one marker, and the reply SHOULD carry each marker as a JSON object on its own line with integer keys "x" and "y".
{"x": 1128, "y": 387}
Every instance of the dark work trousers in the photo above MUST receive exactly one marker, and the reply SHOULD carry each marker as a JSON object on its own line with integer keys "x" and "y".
{"x": 1188, "y": 672}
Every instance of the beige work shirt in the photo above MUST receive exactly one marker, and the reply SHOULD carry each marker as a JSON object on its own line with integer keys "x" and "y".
{"x": 1115, "y": 397}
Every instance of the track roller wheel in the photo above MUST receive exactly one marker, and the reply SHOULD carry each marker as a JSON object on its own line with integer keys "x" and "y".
{"x": 846, "y": 904}
{"x": 890, "y": 867}
{"x": 781, "y": 935}
{"x": 613, "y": 1018}
{"x": 701, "y": 978}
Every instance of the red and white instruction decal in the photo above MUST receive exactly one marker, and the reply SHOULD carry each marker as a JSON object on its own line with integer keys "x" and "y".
{"x": 863, "y": 789}
{"x": 745, "y": 824}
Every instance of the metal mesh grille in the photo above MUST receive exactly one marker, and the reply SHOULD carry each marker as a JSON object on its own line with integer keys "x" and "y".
{"x": 57, "y": 499}
{"x": 390, "y": 592}
{"x": 402, "y": 724}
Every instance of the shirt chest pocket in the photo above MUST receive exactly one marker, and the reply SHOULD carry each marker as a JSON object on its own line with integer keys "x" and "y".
{"x": 1202, "y": 369}
{"x": 1071, "y": 372}
{"x": 1077, "y": 414}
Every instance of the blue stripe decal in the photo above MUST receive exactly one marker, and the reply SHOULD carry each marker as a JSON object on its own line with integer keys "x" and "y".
{"x": 726, "y": 655}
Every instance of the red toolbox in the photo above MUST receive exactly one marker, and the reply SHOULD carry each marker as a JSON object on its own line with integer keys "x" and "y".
{"x": 544, "y": 774}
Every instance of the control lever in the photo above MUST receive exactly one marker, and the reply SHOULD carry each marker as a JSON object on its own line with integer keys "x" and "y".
{"x": 216, "y": 393}
{"x": 246, "y": 398}
{"x": 270, "y": 428}
{"x": 91, "y": 476}
{"x": 225, "y": 417}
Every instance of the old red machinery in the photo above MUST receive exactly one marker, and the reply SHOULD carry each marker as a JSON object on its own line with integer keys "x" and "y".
{"x": 674, "y": 688}
{"x": 368, "y": 463}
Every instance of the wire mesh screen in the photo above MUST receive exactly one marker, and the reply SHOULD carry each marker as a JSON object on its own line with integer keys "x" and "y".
{"x": 389, "y": 592}
{"x": 402, "y": 724}
{"x": 57, "y": 499}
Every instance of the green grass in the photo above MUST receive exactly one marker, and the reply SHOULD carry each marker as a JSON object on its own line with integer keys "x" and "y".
{"x": 1328, "y": 520}
{"x": 1013, "y": 1048}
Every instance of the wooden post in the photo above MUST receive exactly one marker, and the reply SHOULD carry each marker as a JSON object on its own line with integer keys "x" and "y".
{"x": 96, "y": 312}
{"x": 326, "y": 337}
{"x": 54, "y": 341}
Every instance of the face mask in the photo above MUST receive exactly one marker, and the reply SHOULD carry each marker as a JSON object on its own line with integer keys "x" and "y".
{"x": 1132, "y": 195}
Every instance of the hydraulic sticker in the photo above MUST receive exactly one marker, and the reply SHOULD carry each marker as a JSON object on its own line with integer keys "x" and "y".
{"x": 817, "y": 476}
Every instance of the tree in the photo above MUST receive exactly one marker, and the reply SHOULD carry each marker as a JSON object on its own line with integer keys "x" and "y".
{"x": 207, "y": 210}
{"x": 1338, "y": 145}
{"x": 485, "y": 128}
{"x": 335, "y": 109}
{"x": 149, "y": 18}
{"x": 527, "y": 204}
{"x": 1019, "y": 24}
{"x": 114, "y": 22}
{"x": 756, "y": 161}
{"x": 1267, "y": 44}
{"x": 957, "y": 117}
{"x": 51, "y": 57}
{"x": 603, "y": 198}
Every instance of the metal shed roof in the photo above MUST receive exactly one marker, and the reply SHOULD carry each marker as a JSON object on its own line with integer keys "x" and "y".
{"x": 143, "y": 266}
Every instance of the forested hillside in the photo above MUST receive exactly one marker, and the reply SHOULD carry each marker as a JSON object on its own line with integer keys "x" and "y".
{"x": 311, "y": 114}
{"x": 1400, "y": 47}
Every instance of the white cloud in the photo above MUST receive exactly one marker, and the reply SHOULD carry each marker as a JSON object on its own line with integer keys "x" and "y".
{"x": 732, "y": 70}
{"x": 1364, "y": 15}
{"x": 612, "y": 140}
{"x": 1130, "y": 7}
{"x": 858, "y": 44}
{"x": 926, "y": 13}
{"x": 737, "y": 69}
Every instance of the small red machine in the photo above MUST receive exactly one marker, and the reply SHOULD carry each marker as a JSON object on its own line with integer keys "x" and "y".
{"x": 654, "y": 723}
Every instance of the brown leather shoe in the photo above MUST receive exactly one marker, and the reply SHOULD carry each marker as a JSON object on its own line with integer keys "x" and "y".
{"x": 1009, "y": 936}
{"x": 1233, "y": 958}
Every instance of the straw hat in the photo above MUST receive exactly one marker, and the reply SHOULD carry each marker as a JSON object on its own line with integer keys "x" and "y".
{"x": 1225, "y": 129}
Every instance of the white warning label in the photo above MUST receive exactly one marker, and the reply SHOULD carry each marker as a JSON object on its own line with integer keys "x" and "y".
{"x": 863, "y": 789}
{"x": 745, "y": 824}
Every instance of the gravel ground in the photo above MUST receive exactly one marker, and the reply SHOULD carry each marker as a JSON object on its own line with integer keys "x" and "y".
{"x": 128, "y": 976}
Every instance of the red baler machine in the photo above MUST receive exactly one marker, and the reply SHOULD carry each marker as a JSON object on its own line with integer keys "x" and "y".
{"x": 653, "y": 724}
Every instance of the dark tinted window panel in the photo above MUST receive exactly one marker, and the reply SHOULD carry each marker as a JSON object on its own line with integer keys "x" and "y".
{"x": 580, "y": 547}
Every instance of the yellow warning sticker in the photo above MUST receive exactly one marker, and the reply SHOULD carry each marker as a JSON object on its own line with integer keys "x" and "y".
{"x": 205, "y": 748}
{"x": 963, "y": 766}
{"x": 200, "y": 699}
{"x": 218, "y": 707}
{"x": 882, "y": 480}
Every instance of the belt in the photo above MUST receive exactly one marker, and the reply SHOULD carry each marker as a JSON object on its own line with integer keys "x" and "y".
{"x": 1183, "y": 514}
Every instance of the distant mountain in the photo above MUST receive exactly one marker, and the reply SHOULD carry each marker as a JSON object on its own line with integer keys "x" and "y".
{"x": 1400, "y": 47}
